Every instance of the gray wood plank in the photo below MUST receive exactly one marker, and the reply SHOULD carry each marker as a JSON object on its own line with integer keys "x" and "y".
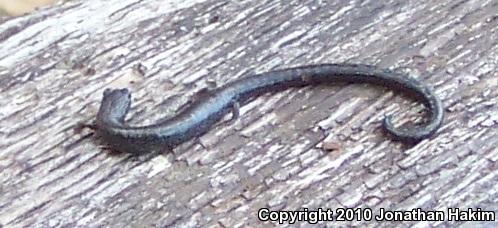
{"x": 56, "y": 62}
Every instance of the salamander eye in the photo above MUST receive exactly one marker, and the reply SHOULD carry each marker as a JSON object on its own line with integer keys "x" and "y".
{"x": 107, "y": 92}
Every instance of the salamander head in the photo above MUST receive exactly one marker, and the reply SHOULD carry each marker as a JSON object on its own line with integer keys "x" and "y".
{"x": 114, "y": 107}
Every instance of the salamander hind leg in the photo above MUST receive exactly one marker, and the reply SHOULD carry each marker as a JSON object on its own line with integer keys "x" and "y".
{"x": 235, "y": 111}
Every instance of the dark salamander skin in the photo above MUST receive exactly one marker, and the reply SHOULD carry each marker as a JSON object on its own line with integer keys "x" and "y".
{"x": 197, "y": 118}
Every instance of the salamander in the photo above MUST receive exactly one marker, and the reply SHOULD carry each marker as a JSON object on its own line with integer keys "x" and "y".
{"x": 197, "y": 118}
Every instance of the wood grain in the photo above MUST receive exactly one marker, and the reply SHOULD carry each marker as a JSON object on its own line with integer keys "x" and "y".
{"x": 56, "y": 62}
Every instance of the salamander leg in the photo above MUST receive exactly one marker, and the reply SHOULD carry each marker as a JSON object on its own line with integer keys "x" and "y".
{"x": 235, "y": 111}
{"x": 202, "y": 93}
{"x": 80, "y": 126}
{"x": 197, "y": 96}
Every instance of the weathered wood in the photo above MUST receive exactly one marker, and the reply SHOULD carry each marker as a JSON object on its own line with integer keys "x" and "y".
{"x": 55, "y": 63}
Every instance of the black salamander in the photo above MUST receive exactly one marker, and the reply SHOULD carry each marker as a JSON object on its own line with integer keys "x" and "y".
{"x": 205, "y": 111}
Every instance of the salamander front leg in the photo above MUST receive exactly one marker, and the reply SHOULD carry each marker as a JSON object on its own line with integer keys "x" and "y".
{"x": 235, "y": 111}
{"x": 80, "y": 126}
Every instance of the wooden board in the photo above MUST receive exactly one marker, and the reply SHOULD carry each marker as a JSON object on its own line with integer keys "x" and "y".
{"x": 56, "y": 62}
